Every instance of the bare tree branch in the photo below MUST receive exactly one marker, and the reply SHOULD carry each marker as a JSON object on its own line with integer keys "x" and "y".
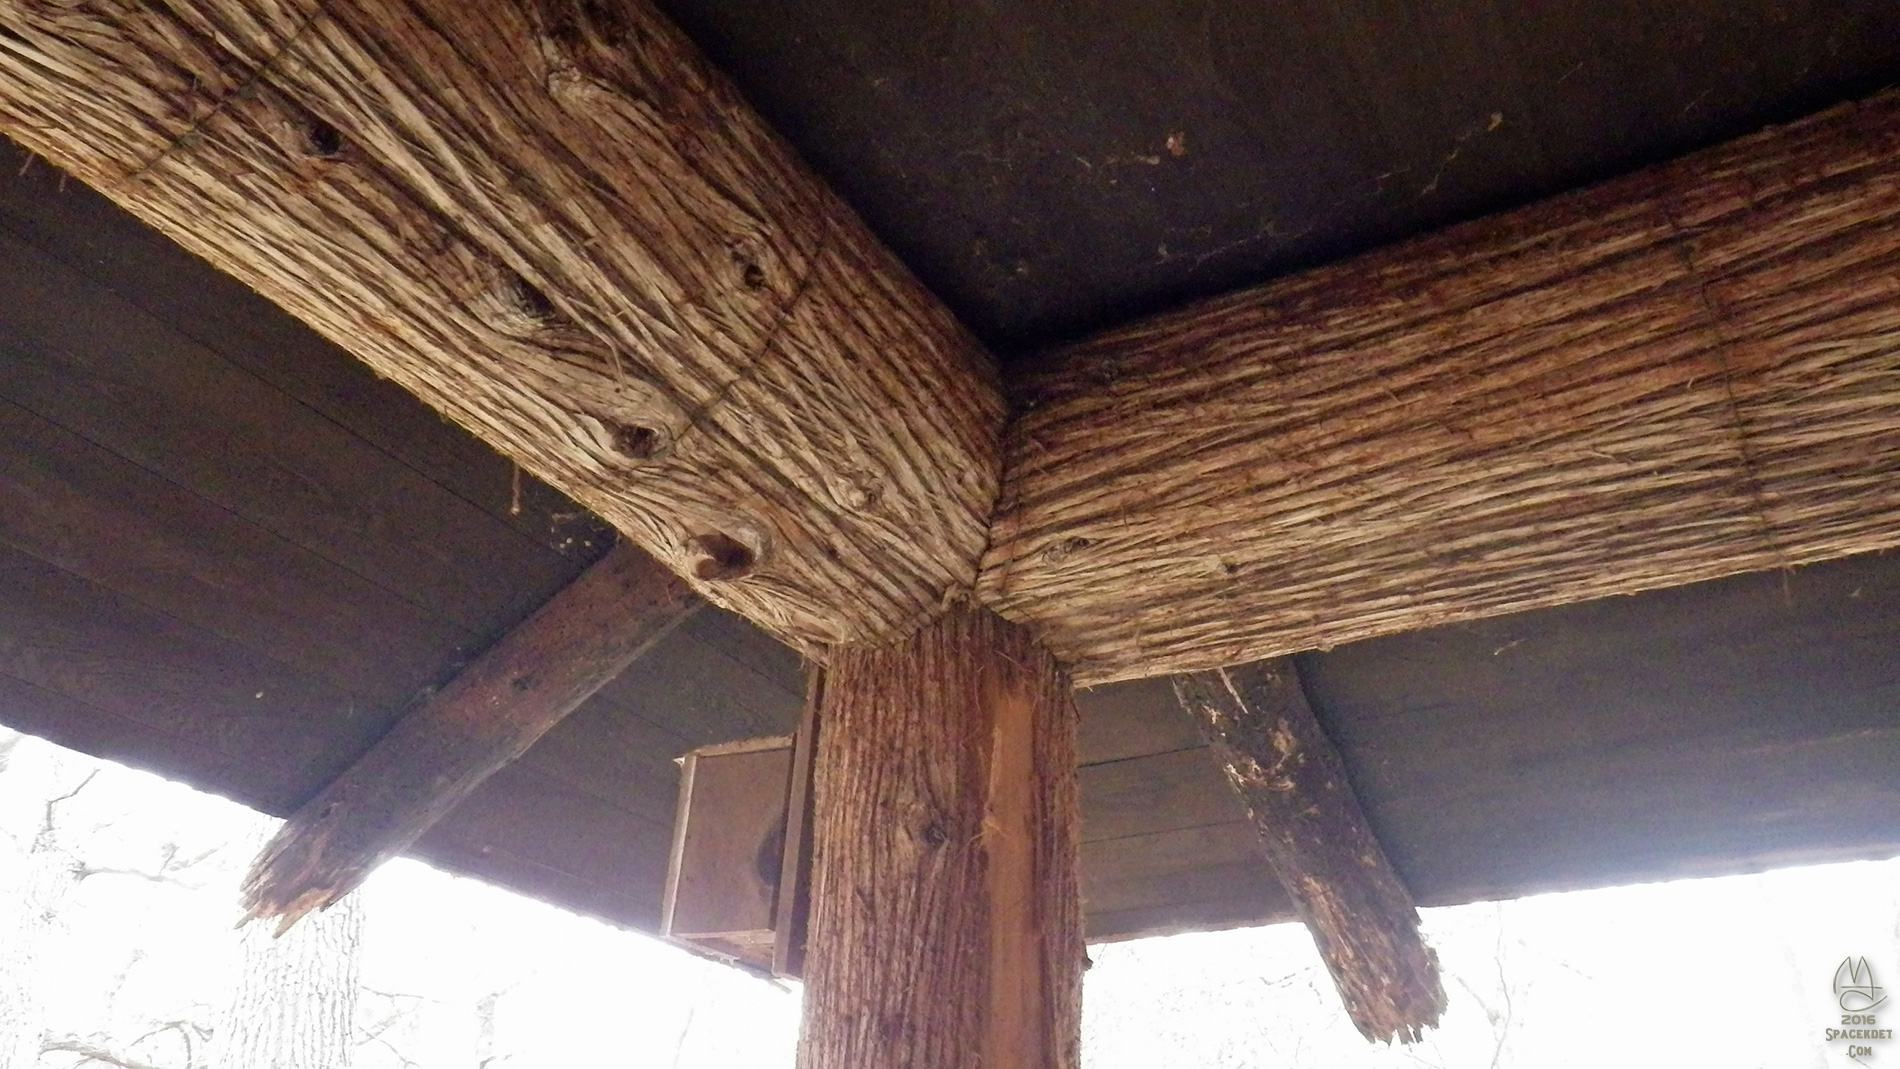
{"x": 397, "y": 1011}
{"x": 167, "y": 871}
{"x": 90, "y": 1052}
{"x": 407, "y": 1062}
{"x": 44, "y": 840}
{"x": 190, "y": 1034}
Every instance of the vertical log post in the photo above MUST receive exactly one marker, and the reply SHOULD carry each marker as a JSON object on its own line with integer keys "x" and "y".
{"x": 946, "y": 926}
{"x": 1257, "y": 720}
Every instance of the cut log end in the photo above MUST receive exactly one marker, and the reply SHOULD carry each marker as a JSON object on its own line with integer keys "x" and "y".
{"x": 1394, "y": 994}
{"x": 290, "y": 878}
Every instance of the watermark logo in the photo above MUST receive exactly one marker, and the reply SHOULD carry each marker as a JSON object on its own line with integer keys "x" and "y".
{"x": 1858, "y": 995}
{"x": 1854, "y": 986}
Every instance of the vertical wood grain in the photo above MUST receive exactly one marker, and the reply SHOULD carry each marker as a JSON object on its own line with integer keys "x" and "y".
{"x": 945, "y": 918}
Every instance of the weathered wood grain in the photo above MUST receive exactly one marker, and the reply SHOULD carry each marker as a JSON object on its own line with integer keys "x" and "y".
{"x": 257, "y": 452}
{"x": 945, "y": 926}
{"x": 1687, "y": 373}
{"x": 1187, "y": 879}
{"x": 1154, "y": 793}
{"x": 68, "y": 221}
{"x": 1319, "y": 844}
{"x": 556, "y": 224}
{"x": 487, "y": 716}
{"x": 89, "y": 512}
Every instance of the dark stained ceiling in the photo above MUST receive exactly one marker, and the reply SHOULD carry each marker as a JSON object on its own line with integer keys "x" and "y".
{"x": 1052, "y": 168}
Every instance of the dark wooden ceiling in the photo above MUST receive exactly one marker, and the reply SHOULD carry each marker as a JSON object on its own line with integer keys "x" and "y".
{"x": 230, "y": 554}
{"x": 1051, "y": 168}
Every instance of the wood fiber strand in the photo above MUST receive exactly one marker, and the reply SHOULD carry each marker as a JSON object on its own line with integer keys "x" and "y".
{"x": 1680, "y": 375}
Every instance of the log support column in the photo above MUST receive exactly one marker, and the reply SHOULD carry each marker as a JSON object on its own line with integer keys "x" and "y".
{"x": 945, "y": 922}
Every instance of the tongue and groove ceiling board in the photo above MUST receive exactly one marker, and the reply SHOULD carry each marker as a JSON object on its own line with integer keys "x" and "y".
{"x": 232, "y": 555}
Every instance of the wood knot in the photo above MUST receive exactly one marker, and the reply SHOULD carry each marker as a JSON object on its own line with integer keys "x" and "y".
{"x": 723, "y": 558}
{"x": 858, "y": 495}
{"x": 638, "y": 442}
{"x": 1057, "y": 552}
{"x": 637, "y": 425}
{"x": 527, "y": 300}
{"x": 321, "y": 141}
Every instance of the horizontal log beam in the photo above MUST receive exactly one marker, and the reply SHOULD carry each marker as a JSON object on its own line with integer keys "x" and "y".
{"x": 1683, "y": 374}
{"x": 487, "y": 716}
{"x": 555, "y": 223}
{"x": 1279, "y": 759}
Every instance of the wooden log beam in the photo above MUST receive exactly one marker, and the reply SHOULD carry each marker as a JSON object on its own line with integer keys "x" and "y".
{"x": 945, "y": 927}
{"x": 487, "y": 716}
{"x": 1257, "y": 719}
{"x": 555, "y": 223}
{"x": 1690, "y": 372}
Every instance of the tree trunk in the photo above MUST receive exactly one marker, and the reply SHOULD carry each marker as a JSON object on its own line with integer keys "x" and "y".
{"x": 47, "y": 880}
{"x": 294, "y": 1005}
{"x": 29, "y": 918}
{"x": 945, "y": 922}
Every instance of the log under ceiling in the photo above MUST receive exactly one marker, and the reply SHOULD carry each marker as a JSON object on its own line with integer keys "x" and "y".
{"x": 230, "y": 554}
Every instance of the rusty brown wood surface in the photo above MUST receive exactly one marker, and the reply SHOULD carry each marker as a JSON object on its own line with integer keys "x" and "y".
{"x": 946, "y": 924}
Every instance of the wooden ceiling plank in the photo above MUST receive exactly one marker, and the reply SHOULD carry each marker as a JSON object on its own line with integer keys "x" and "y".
{"x": 94, "y": 514}
{"x": 483, "y": 719}
{"x": 1683, "y": 374}
{"x": 570, "y": 235}
{"x": 556, "y": 224}
{"x": 236, "y": 721}
{"x": 79, "y": 357}
{"x": 551, "y": 841}
{"x": 1317, "y": 839}
{"x": 68, "y": 221}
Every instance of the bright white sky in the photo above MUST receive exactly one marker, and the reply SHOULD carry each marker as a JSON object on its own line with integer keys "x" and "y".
{"x": 1731, "y": 972}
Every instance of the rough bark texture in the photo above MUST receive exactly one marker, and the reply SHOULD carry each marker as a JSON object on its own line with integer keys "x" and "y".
{"x": 487, "y": 716}
{"x": 945, "y": 923}
{"x": 1687, "y": 373}
{"x": 1361, "y": 916}
{"x": 31, "y": 897}
{"x": 294, "y": 1003}
{"x": 555, "y": 223}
